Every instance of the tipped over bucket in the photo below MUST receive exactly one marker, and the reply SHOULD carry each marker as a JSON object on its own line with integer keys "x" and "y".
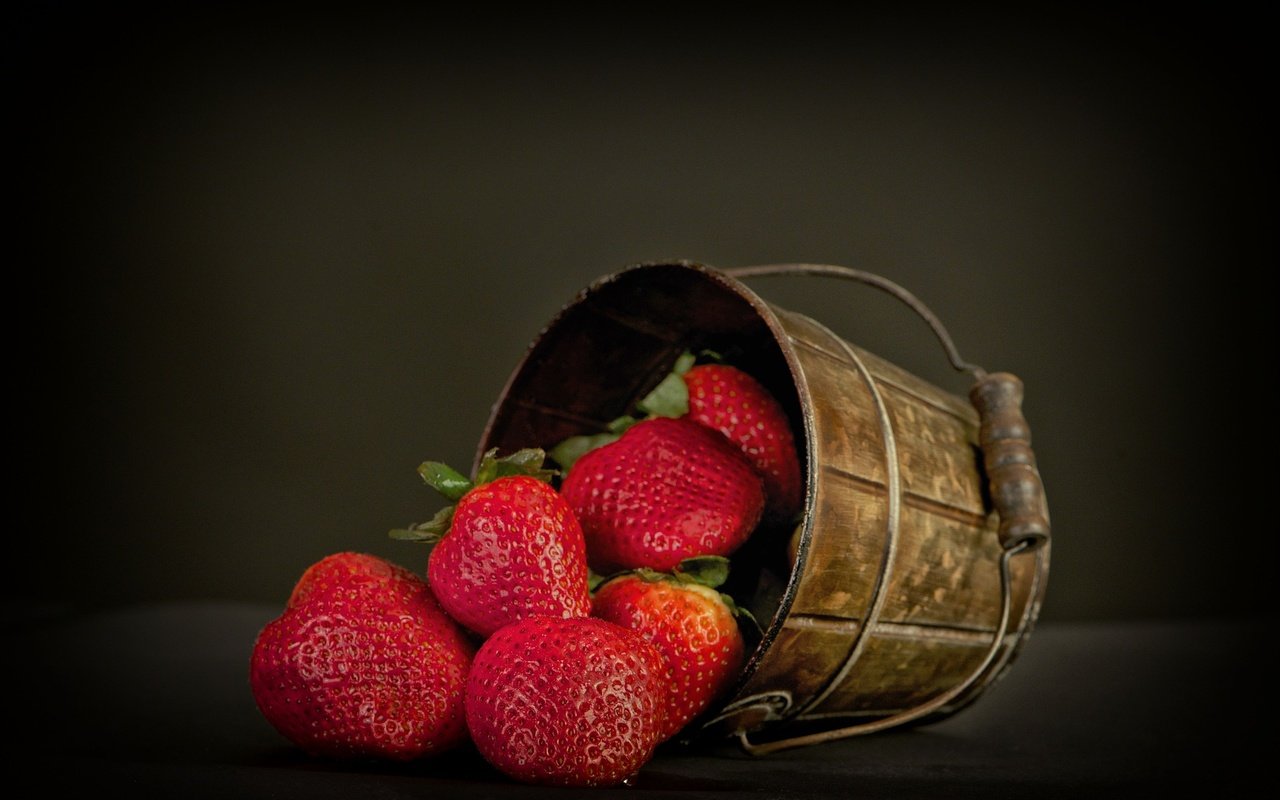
{"x": 920, "y": 561}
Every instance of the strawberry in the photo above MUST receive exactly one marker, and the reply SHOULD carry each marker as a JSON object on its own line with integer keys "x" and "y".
{"x": 363, "y": 663}
{"x": 356, "y": 574}
{"x": 694, "y": 626}
{"x": 665, "y": 490}
{"x": 566, "y": 702}
{"x": 731, "y": 401}
{"x": 511, "y": 547}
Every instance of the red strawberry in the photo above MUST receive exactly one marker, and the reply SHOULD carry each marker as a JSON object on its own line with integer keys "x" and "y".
{"x": 666, "y": 490}
{"x": 356, "y": 574}
{"x": 726, "y": 399}
{"x": 566, "y": 702}
{"x": 363, "y": 663}
{"x": 736, "y": 404}
{"x": 509, "y": 549}
{"x": 692, "y": 625}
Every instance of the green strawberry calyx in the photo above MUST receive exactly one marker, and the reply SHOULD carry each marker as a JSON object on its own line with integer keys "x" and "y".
{"x": 453, "y": 486}
{"x": 708, "y": 572}
{"x": 670, "y": 398}
{"x": 570, "y": 450}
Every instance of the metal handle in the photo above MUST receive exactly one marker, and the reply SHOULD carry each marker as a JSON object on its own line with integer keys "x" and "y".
{"x": 870, "y": 279}
{"x": 1004, "y": 436}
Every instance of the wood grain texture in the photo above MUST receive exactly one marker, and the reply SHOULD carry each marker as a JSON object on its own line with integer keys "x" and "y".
{"x": 1010, "y": 463}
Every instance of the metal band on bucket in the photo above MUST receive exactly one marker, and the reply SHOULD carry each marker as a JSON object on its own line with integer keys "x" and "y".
{"x": 893, "y": 494}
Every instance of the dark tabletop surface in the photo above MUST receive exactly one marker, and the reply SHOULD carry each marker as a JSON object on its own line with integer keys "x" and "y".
{"x": 154, "y": 700}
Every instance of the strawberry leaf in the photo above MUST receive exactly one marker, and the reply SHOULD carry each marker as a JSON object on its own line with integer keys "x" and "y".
{"x": 621, "y": 424}
{"x": 445, "y": 479}
{"x": 710, "y": 571}
{"x": 650, "y": 575}
{"x": 741, "y": 614}
{"x": 429, "y": 532}
{"x": 528, "y": 461}
{"x": 686, "y": 360}
{"x": 570, "y": 450}
{"x": 567, "y": 452}
{"x": 670, "y": 398}
{"x": 594, "y": 580}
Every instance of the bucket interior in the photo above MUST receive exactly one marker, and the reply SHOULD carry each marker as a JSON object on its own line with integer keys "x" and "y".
{"x": 617, "y": 340}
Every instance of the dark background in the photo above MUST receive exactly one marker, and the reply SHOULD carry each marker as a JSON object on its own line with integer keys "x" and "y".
{"x": 267, "y": 261}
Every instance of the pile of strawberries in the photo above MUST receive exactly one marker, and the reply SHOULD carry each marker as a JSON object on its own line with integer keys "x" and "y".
{"x": 570, "y": 619}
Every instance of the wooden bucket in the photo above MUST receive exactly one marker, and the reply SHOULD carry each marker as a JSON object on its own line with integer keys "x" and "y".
{"x": 919, "y": 566}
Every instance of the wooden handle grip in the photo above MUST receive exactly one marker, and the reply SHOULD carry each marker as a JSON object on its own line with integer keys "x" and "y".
{"x": 1005, "y": 439}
